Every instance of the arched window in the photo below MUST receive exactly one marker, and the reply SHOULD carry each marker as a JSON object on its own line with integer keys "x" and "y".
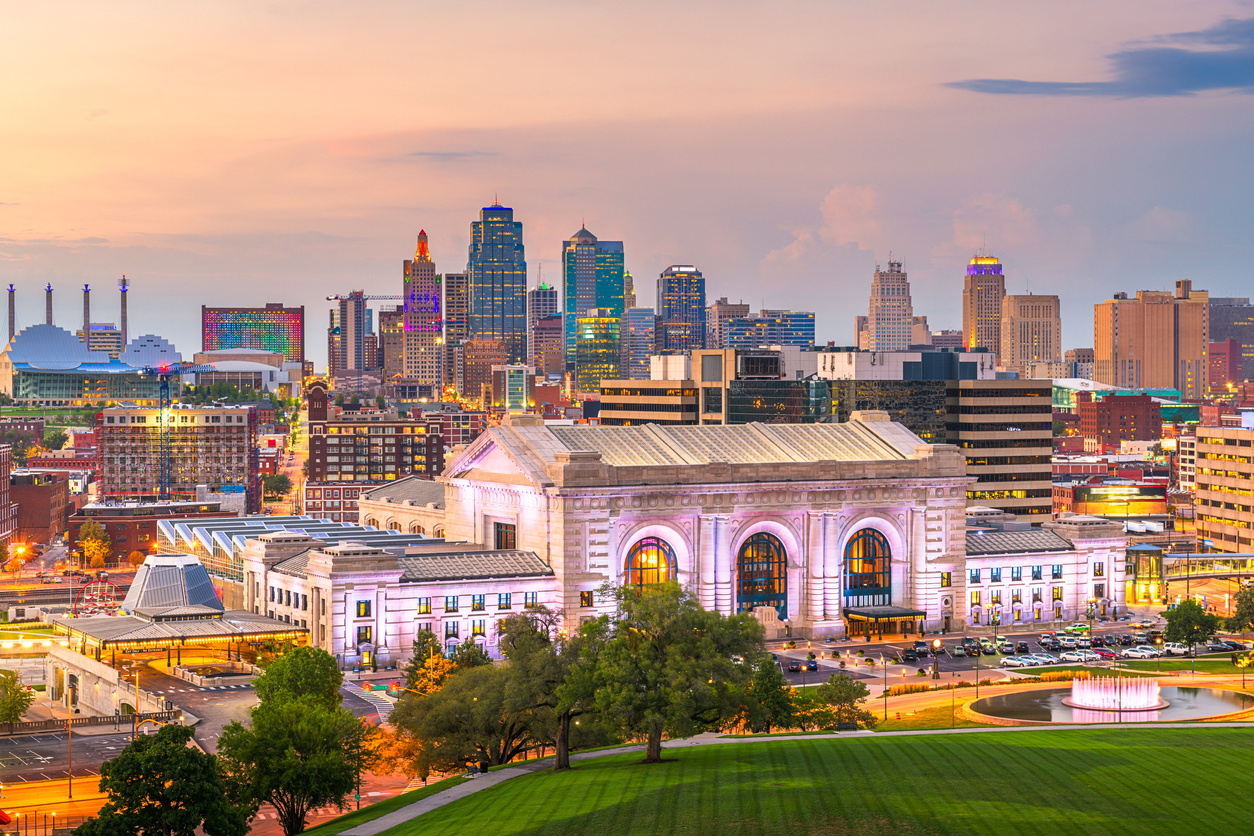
{"x": 651, "y": 560}
{"x": 761, "y": 579}
{"x": 868, "y": 581}
{"x": 415, "y": 528}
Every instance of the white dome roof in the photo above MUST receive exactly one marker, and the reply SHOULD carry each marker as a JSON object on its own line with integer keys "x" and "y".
{"x": 49, "y": 347}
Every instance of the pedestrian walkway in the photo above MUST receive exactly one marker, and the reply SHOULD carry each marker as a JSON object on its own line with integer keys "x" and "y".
{"x": 384, "y": 705}
{"x": 193, "y": 689}
{"x": 483, "y": 782}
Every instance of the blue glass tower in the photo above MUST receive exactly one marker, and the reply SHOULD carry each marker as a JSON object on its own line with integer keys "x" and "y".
{"x": 592, "y": 277}
{"x": 680, "y": 310}
{"x": 497, "y": 274}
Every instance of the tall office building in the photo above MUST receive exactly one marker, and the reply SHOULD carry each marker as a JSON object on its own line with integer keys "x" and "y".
{"x": 348, "y": 323}
{"x": 1232, "y": 318}
{"x": 548, "y": 353}
{"x": 717, "y": 316}
{"x": 272, "y": 328}
{"x": 680, "y": 323}
{"x": 541, "y": 303}
{"x": 1157, "y": 340}
{"x": 982, "y": 291}
{"x": 629, "y": 290}
{"x": 497, "y": 271}
{"x": 592, "y": 277}
{"x": 1031, "y": 332}
{"x": 392, "y": 341}
{"x": 1079, "y": 362}
{"x": 636, "y": 337}
{"x": 597, "y": 348}
{"x": 889, "y": 316}
{"x": 771, "y": 328}
{"x": 456, "y": 317}
{"x": 424, "y": 320}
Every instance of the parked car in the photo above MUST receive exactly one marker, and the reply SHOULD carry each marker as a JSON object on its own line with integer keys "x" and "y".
{"x": 1045, "y": 659}
{"x": 1235, "y": 645}
{"x": 921, "y": 649}
{"x": 1218, "y": 646}
{"x": 1103, "y": 653}
{"x": 1006, "y": 648}
{"x": 812, "y": 665}
{"x": 1175, "y": 649}
{"x": 989, "y": 650}
{"x": 1016, "y": 662}
{"x": 794, "y": 666}
{"x": 1068, "y": 642}
{"x": 1141, "y": 651}
{"x": 1125, "y": 640}
{"x": 1021, "y": 647}
{"x": 908, "y": 655}
{"x": 1073, "y": 656}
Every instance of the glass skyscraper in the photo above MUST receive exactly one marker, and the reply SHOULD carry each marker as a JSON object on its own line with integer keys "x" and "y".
{"x": 680, "y": 310}
{"x": 771, "y": 328}
{"x": 592, "y": 277}
{"x": 496, "y": 269}
{"x": 636, "y": 336}
{"x": 597, "y": 348}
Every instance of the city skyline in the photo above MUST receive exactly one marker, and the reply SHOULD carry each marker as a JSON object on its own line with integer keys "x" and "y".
{"x": 773, "y": 172}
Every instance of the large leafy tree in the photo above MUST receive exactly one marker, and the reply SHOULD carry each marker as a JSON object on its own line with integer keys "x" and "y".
{"x": 845, "y": 695}
{"x": 1188, "y": 623}
{"x": 302, "y": 673}
{"x": 296, "y": 755}
{"x": 468, "y": 655}
{"x": 15, "y": 698}
{"x": 1242, "y": 618}
{"x": 553, "y": 672}
{"x": 160, "y": 785}
{"x": 471, "y": 720}
{"x": 671, "y": 667}
{"x": 95, "y": 543}
{"x": 769, "y": 697}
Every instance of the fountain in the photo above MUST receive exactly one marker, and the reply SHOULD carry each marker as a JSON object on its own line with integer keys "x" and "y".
{"x": 1115, "y": 694}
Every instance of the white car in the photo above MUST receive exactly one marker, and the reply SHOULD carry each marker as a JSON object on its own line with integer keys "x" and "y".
{"x": 1067, "y": 642}
{"x": 1175, "y": 649}
{"x": 1073, "y": 656}
{"x": 1045, "y": 659}
{"x": 1138, "y": 652}
{"x": 1017, "y": 662}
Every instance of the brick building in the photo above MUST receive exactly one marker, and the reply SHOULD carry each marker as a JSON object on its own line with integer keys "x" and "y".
{"x": 369, "y": 446}
{"x": 8, "y": 511}
{"x": 1224, "y": 359}
{"x": 1115, "y": 418}
{"x": 334, "y": 501}
{"x": 43, "y": 505}
{"x": 132, "y": 526}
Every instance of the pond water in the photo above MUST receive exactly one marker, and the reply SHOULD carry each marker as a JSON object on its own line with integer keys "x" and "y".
{"x": 1046, "y": 706}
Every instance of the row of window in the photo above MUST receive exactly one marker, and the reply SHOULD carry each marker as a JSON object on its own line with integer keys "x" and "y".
{"x": 478, "y": 603}
{"x": 286, "y": 597}
{"x": 1016, "y": 573}
{"x": 386, "y": 430}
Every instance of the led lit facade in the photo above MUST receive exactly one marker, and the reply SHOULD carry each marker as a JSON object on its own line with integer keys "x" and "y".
{"x": 272, "y": 328}
{"x": 983, "y": 289}
{"x": 592, "y": 277}
{"x": 769, "y": 328}
{"x": 423, "y": 361}
{"x": 637, "y": 336}
{"x": 681, "y": 310}
{"x": 597, "y": 348}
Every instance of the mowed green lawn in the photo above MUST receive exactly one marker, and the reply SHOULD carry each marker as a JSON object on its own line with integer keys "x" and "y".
{"x": 1054, "y": 782}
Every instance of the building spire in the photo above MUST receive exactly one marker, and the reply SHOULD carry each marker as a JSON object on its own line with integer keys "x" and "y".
{"x": 422, "y": 253}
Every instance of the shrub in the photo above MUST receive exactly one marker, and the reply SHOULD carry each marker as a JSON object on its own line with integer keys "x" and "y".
{"x": 1064, "y": 676}
{"x": 909, "y": 688}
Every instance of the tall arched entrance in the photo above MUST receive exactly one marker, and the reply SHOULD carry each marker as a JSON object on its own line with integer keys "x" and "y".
{"x": 761, "y": 575}
{"x": 651, "y": 560}
{"x": 868, "y": 588}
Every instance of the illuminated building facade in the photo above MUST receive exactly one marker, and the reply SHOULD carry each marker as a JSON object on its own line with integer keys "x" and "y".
{"x": 1224, "y": 507}
{"x": 889, "y": 317}
{"x": 47, "y": 365}
{"x": 681, "y": 310}
{"x": 597, "y": 348}
{"x": 983, "y": 288}
{"x": 1031, "y": 332}
{"x": 497, "y": 273}
{"x": 542, "y": 302}
{"x": 637, "y": 336}
{"x": 769, "y": 328}
{"x": 392, "y": 341}
{"x": 592, "y": 277}
{"x": 272, "y": 328}
{"x": 423, "y": 362}
{"x": 1157, "y": 339}
{"x": 1232, "y": 318}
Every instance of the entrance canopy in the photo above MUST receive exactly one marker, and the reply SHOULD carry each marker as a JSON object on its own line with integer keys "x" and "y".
{"x": 868, "y": 620}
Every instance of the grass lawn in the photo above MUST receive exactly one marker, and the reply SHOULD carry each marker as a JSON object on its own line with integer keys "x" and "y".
{"x": 1181, "y": 663}
{"x": 381, "y": 808}
{"x": 1054, "y": 782}
{"x": 938, "y": 717}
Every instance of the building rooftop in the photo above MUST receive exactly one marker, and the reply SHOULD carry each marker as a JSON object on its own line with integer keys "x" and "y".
{"x": 171, "y": 582}
{"x": 984, "y": 542}
{"x": 415, "y": 490}
{"x": 461, "y": 566}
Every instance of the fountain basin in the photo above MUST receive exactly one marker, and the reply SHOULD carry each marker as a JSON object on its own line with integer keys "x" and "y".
{"x": 1047, "y": 706}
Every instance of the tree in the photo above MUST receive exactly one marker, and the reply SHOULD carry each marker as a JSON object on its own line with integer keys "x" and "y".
{"x": 135, "y": 558}
{"x": 380, "y": 401}
{"x": 95, "y": 543}
{"x": 845, "y": 696}
{"x": 297, "y": 755}
{"x": 669, "y": 668}
{"x": 56, "y": 439}
{"x": 277, "y": 484}
{"x": 303, "y": 672}
{"x": 160, "y": 785}
{"x": 1242, "y": 618}
{"x": 769, "y": 697}
{"x": 469, "y": 655}
{"x": 339, "y": 399}
{"x": 1188, "y": 623}
{"x": 15, "y": 698}
{"x": 810, "y": 712}
{"x": 471, "y": 720}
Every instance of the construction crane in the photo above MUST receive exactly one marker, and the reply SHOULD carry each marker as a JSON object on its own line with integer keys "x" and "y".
{"x": 163, "y": 373}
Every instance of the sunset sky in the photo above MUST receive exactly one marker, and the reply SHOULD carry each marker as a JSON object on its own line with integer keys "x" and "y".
{"x": 238, "y": 153}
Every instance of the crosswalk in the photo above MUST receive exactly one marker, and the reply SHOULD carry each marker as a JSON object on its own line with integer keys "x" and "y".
{"x": 194, "y": 690}
{"x": 385, "y": 706}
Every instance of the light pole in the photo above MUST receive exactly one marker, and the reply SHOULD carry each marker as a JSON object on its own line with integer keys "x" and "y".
{"x": 69, "y": 736}
{"x": 885, "y": 666}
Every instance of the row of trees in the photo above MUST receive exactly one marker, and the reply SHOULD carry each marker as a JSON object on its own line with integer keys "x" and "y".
{"x": 663, "y": 667}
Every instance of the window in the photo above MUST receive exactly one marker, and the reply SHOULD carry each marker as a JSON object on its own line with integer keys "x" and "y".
{"x": 272, "y": 595}
{"x": 585, "y": 598}
{"x": 975, "y": 597}
{"x": 424, "y": 606}
{"x": 1016, "y": 596}
{"x": 505, "y": 536}
{"x": 947, "y": 579}
{"x": 287, "y": 595}
{"x": 1016, "y": 574}
{"x": 324, "y": 606}
{"x": 531, "y": 599}
{"x": 450, "y": 603}
{"x": 1099, "y": 591}
{"x": 304, "y": 602}
{"x": 450, "y": 629}
{"x": 1036, "y": 573}
{"x": 363, "y": 609}
{"x": 1057, "y": 572}
{"x": 364, "y": 633}
{"x": 503, "y": 600}
{"x": 994, "y": 575}
{"x": 651, "y": 560}
{"x": 1058, "y": 593}
{"x": 867, "y": 581}
{"x": 479, "y": 627}
{"x": 1036, "y": 595}
{"x": 476, "y": 603}
{"x": 973, "y": 576}
{"x": 1099, "y": 570}
{"x": 994, "y": 597}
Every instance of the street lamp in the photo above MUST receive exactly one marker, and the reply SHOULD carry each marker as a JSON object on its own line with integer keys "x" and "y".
{"x": 884, "y": 665}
